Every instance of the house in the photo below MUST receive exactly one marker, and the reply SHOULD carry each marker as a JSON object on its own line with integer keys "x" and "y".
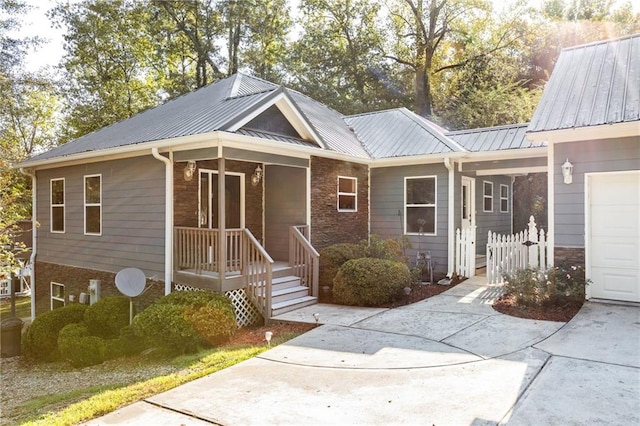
{"x": 235, "y": 187}
{"x": 589, "y": 116}
{"x": 276, "y": 173}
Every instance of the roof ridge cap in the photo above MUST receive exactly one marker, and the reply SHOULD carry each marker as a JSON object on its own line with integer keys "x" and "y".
{"x": 484, "y": 129}
{"x": 426, "y": 124}
{"x": 597, "y": 42}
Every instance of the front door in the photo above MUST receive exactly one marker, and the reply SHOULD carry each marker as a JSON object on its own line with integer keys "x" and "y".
{"x": 468, "y": 203}
{"x": 234, "y": 199}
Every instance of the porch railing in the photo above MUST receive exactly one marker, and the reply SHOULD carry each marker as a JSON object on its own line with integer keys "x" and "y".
{"x": 303, "y": 258}
{"x": 197, "y": 249}
{"x": 258, "y": 272}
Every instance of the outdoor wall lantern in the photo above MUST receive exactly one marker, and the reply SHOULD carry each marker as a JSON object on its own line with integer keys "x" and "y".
{"x": 256, "y": 176}
{"x": 189, "y": 170}
{"x": 567, "y": 172}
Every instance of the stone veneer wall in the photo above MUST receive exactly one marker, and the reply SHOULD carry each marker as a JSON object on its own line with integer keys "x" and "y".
{"x": 328, "y": 225}
{"x": 185, "y": 194}
{"x": 76, "y": 280}
{"x": 575, "y": 255}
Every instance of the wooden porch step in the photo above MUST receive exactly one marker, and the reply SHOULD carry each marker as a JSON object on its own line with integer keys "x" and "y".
{"x": 292, "y": 305}
{"x": 288, "y": 293}
{"x": 285, "y": 282}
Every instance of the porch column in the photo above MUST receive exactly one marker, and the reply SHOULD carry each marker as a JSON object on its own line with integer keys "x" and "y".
{"x": 222, "y": 230}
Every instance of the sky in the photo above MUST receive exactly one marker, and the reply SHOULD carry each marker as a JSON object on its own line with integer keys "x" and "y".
{"x": 36, "y": 23}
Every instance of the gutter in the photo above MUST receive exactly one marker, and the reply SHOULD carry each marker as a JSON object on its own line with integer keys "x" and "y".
{"x": 168, "y": 225}
{"x": 451, "y": 217}
{"x": 34, "y": 231}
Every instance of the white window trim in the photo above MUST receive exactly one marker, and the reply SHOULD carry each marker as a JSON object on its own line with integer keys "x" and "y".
{"x": 63, "y": 205}
{"x": 485, "y": 196}
{"x": 434, "y": 205}
{"x": 64, "y": 303}
{"x": 351, "y": 194}
{"x": 84, "y": 190}
{"x": 504, "y": 198}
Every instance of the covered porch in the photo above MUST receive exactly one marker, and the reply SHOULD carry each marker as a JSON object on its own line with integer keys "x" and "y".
{"x": 241, "y": 222}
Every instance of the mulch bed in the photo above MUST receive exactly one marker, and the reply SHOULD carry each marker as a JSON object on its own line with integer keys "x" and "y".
{"x": 254, "y": 335}
{"x": 507, "y": 305}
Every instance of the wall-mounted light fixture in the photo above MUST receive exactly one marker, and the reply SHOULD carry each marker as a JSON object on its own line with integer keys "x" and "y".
{"x": 256, "y": 176}
{"x": 567, "y": 172}
{"x": 189, "y": 170}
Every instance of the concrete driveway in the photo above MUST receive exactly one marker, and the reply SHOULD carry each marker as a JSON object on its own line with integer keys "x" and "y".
{"x": 448, "y": 360}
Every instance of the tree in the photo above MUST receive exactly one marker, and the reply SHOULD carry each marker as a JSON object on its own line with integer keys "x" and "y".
{"x": 566, "y": 23}
{"x": 192, "y": 29}
{"x": 432, "y": 36}
{"x": 338, "y": 58}
{"x": 268, "y": 23}
{"x": 108, "y": 64}
{"x": 26, "y": 110}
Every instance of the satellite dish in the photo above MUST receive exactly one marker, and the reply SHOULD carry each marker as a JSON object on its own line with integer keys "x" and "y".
{"x": 131, "y": 281}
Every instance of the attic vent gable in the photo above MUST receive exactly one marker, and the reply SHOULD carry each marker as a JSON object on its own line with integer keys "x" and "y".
{"x": 273, "y": 121}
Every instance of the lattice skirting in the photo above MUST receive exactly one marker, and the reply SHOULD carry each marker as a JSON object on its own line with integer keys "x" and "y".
{"x": 246, "y": 312}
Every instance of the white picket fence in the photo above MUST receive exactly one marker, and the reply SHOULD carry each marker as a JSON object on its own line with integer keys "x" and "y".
{"x": 466, "y": 252}
{"x": 508, "y": 253}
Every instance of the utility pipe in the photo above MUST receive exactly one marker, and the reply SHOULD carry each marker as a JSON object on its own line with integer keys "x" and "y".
{"x": 168, "y": 226}
{"x": 34, "y": 231}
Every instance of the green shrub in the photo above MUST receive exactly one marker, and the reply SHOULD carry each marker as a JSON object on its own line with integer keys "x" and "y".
{"x": 334, "y": 256}
{"x": 389, "y": 248}
{"x": 107, "y": 317}
{"x": 182, "y": 322}
{"x": 78, "y": 347}
{"x": 41, "y": 338}
{"x": 370, "y": 282}
{"x": 126, "y": 344}
{"x": 557, "y": 286}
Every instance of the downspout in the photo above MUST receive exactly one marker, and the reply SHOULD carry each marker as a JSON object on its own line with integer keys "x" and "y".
{"x": 168, "y": 213}
{"x": 34, "y": 231}
{"x": 451, "y": 217}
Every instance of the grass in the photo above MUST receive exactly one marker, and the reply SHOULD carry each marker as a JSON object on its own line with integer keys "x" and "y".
{"x": 23, "y": 307}
{"x": 84, "y": 404}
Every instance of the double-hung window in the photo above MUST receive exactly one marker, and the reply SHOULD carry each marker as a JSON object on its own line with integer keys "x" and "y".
{"x": 57, "y": 205}
{"x": 57, "y": 295}
{"x": 504, "y": 199}
{"x": 487, "y": 196}
{"x": 347, "y": 194}
{"x": 93, "y": 204}
{"x": 420, "y": 205}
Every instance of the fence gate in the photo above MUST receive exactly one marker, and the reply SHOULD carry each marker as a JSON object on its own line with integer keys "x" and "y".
{"x": 466, "y": 252}
{"x": 508, "y": 253}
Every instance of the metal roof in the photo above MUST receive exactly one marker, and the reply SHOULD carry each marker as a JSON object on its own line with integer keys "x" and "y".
{"x": 217, "y": 106}
{"x": 494, "y": 138}
{"x": 591, "y": 85}
{"x": 399, "y": 133}
{"x": 329, "y": 125}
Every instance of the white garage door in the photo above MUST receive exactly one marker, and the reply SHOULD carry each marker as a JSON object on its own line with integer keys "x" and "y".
{"x": 613, "y": 236}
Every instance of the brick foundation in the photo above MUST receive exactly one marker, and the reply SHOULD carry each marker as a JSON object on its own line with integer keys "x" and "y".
{"x": 328, "y": 225}
{"x": 76, "y": 280}
{"x": 575, "y": 255}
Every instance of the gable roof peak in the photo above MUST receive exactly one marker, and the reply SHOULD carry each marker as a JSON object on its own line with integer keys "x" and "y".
{"x": 247, "y": 85}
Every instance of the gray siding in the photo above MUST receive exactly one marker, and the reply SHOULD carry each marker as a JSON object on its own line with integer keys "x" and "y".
{"x": 494, "y": 221}
{"x": 387, "y": 200}
{"x": 133, "y": 209}
{"x": 587, "y": 157}
{"x": 505, "y": 164}
{"x": 285, "y": 206}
